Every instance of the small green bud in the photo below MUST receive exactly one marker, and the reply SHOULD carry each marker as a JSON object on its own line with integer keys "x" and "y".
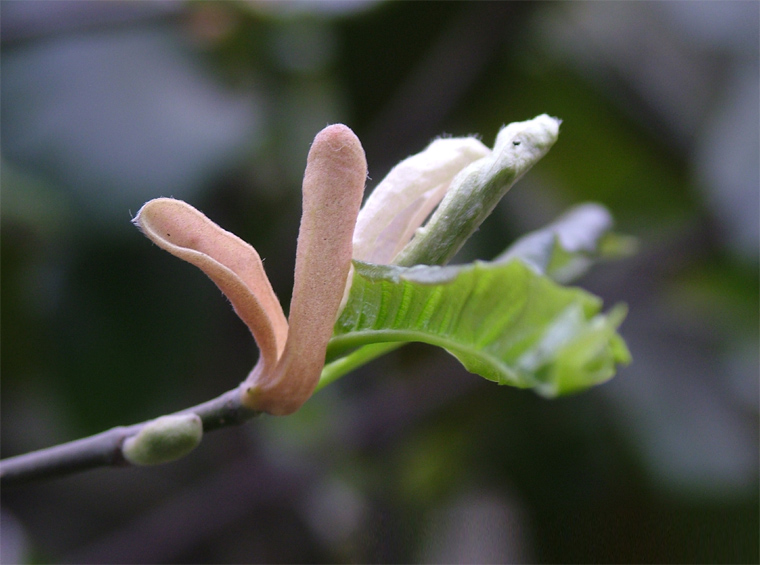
{"x": 164, "y": 439}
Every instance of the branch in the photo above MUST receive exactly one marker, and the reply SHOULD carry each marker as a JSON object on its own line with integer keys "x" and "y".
{"x": 105, "y": 449}
{"x": 474, "y": 193}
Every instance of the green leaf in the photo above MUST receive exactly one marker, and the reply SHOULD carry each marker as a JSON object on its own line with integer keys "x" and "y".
{"x": 565, "y": 249}
{"x": 502, "y": 321}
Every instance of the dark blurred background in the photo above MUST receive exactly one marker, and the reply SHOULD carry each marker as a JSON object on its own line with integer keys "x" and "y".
{"x": 410, "y": 459}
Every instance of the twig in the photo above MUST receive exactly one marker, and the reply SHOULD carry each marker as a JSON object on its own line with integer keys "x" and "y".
{"x": 104, "y": 449}
{"x": 248, "y": 485}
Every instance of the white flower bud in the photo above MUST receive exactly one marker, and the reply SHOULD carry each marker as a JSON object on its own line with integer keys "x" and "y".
{"x": 407, "y": 195}
{"x": 477, "y": 189}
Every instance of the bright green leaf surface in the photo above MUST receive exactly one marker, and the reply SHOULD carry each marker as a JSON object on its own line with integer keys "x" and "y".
{"x": 502, "y": 321}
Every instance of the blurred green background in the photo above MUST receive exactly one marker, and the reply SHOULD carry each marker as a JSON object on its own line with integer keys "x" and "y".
{"x": 410, "y": 459}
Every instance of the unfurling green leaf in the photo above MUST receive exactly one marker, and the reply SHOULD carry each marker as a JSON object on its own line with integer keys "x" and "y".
{"x": 502, "y": 321}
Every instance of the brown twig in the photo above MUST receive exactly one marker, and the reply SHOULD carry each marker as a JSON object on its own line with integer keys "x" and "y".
{"x": 104, "y": 449}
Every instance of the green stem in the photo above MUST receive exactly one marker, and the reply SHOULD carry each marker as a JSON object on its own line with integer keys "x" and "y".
{"x": 336, "y": 369}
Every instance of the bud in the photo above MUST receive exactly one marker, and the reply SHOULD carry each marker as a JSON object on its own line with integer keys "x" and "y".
{"x": 164, "y": 439}
{"x": 477, "y": 189}
{"x": 406, "y": 196}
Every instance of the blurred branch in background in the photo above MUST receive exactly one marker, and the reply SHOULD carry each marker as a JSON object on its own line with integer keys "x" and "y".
{"x": 106, "y": 105}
